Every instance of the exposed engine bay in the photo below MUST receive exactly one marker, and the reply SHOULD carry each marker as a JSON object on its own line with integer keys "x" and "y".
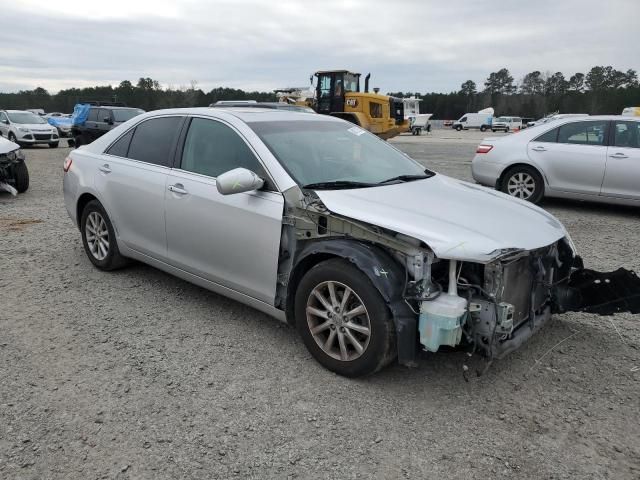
{"x": 491, "y": 307}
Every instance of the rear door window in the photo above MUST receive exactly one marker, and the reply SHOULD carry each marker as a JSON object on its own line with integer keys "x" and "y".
{"x": 121, "y": 147}
{"x": 583, "y": 133}
{"x": 154, "y": 140}
{"x": 549, "y": 137}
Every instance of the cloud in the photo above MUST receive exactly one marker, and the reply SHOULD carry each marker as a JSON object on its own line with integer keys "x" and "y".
{"x": 407, "y": 45}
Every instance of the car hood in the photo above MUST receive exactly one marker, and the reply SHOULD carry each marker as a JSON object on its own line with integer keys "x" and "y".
{"x": 6, "y": 146}
{"x": 35, "y": 126}
{"x": 457, "y": 220}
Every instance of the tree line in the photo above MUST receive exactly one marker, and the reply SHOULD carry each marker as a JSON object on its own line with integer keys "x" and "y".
{"x": 602, "y": 91}
{"x": 146, "y": 94}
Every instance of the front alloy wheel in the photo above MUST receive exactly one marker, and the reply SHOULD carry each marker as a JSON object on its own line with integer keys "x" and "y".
{"x": 338, "y": 321}
{"x": 343, "y": 320}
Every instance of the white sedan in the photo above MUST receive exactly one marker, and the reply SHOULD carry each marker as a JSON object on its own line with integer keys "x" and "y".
{"x": 590, "y": 158}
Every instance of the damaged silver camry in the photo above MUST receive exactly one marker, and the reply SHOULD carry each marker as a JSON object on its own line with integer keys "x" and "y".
{"x": 320, "y": 224}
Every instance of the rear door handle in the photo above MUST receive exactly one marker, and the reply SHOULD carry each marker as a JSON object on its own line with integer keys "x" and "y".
{"x": 618, "y": 155}
{"x": 178, "y": 188}
{"x": 105, "y": 168}
{"x": 539, "y": 149}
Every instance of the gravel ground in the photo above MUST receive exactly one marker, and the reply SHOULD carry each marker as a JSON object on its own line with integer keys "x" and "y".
{"x": 136, "y": 374}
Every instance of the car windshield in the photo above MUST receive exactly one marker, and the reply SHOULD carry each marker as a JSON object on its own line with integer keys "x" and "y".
{"x": 501, "y": 119}
{"x": 316, "y": 152}
{"x": 124, "y": 114}
{"x": 25, "y": 118}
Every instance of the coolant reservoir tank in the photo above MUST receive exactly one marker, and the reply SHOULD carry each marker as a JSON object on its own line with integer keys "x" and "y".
{"x": 441, "y": 320}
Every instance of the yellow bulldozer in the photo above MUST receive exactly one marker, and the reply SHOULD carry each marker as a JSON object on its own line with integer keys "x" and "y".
{"x": 337, "y": 93}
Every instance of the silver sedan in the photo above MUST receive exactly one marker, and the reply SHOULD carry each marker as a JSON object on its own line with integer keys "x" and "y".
{"x": 586, "y": 158}
{"x": 321, "y": 224}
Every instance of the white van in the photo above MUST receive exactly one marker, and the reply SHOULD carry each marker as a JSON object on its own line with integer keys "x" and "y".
{"x": 474, "y": 120}
{"x": 507, "y": 124}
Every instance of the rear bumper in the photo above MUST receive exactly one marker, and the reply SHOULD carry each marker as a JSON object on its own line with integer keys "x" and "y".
{"x": 485, "y": 172}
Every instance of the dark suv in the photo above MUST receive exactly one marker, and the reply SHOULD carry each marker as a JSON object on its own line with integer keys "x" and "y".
{"x": 100, "y": 120}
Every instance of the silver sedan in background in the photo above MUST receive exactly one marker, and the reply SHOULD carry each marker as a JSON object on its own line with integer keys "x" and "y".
{"x": 586, "y": 158}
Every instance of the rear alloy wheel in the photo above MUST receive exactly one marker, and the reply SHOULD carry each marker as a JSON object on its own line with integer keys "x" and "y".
{"x": 524, "y": 183}
{"x": 343, "y": 320}
{"x": 99, "y": 239}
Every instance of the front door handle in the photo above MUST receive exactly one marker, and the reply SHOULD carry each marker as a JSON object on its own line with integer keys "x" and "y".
{"x": 539, "y": 149}
{"x": 178, "y": 188}
{"x": 105, "y": 168}
{"x": 618, "y": 155}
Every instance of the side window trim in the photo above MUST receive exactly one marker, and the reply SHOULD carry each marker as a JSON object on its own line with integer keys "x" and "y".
{"x": 183, "y": 136}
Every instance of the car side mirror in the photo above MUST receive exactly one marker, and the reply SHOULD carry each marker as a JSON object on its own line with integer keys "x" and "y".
{"x": 6, "y": 122}
{"x": 238, "y": 180}
{"x": 108, "y": 120}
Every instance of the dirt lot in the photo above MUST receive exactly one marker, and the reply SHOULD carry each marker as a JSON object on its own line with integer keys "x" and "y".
{"x": 136, "y": 374}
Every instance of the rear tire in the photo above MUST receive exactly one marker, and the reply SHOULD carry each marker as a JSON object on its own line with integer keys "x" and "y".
{"x": 523, "y": 182}
{"x": 483, "y": 128}
{"x": 347, "y": 343}
{"x": 21, "y": 177}
{"x": 99, "y": 238}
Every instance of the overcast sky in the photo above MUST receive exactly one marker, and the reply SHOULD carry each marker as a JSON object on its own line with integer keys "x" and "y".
{"x": 407, "y": 45}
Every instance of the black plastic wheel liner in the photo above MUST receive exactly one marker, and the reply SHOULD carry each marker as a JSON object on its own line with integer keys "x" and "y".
{"x": 603, "y": 293}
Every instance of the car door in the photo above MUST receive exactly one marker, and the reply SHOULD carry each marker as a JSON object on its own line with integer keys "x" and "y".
{"x": 132, "y": 177}
{"x": 232, "y": 240}
{"x": 622, "y": 175}
{"x": 104, "y": 121}
{"x": 572, "y": 156}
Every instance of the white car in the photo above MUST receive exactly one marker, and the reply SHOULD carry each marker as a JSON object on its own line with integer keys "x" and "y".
{"x": 557, "y": 116}
{"x": 507, "y": 124}
{"x": 587, "y": 158}
{"x": 26, "y": 128}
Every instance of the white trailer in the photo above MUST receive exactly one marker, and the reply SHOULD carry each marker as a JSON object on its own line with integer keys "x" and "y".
{"x": 418, "y": 122}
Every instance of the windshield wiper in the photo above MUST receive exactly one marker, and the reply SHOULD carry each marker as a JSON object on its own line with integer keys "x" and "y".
{"x": 406, "y": 178}
{"x": 338, "y": 184}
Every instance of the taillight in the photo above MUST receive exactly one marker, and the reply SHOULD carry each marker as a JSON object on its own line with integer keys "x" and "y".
{"x": 484, "y": 148}
{"x": 67, "y": 164}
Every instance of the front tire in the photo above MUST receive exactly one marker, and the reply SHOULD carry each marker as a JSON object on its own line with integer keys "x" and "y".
{"x": 99, "y": 238}
{"x": 459, "y": 128}
{"x": 483, "y": 128}
{"x": 54, "y": 145}
{"x": 21, "y": 175}
{"x": 344, "y": 322}
{"x": 523, "y": 182}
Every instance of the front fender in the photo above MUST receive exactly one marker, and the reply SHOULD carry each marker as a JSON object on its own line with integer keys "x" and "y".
{"x": 384, "y": 272}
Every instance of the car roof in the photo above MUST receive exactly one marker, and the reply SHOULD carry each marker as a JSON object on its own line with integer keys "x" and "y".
{"x": 247, "y": 114}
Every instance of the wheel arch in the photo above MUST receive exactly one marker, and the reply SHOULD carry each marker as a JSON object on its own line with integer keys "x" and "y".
{"x": 384, "y": 272}
{"x": 84, "y": 199}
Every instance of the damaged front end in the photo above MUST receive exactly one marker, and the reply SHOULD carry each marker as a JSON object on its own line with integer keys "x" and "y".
{"x": 492, "y": 306}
